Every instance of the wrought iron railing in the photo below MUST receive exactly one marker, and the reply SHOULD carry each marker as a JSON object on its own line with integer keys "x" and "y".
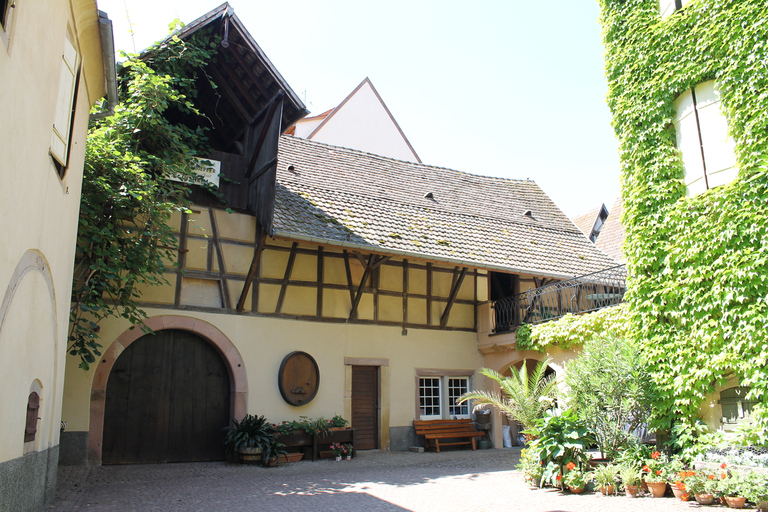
{"x": 578, "y": 295}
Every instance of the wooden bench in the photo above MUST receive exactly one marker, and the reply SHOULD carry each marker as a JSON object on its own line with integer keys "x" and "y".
{"x": 436, "y": 430}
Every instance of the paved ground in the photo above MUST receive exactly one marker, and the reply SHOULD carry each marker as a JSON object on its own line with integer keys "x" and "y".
{"x": 455, "y": 481}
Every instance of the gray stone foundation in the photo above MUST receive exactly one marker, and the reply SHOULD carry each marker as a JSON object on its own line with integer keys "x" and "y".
{"x": 402, "y": 438}
{"x": 74, "y": 449}
{"x": 29, "y": 482}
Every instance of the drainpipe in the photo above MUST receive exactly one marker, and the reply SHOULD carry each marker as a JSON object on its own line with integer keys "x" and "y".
{"x": 108, "y": 58}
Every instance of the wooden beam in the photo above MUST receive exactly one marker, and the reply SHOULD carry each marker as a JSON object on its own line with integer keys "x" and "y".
{"x": 286, "y": 277}
{"x": 405, "y": 295}
{"x": 452, "y": 297}
{"x": 262, "y": 239}
{"x": 320, "y": 273}
{"x": 182, "y": 258}
{"x": 359, "y": 294}
{"x": 220, "y": 258}
{"x": 429, "y": 293}
{"x": 350, "y": 284}
{"x": 361, "y": 258}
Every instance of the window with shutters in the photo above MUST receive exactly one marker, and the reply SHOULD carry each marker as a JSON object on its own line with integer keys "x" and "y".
{"x": 668, "y": 7}
{"x": 33, "y": 408}
{"x": 65, "y": 107}
{"x": 438, "y": 395}
{"x": 701, "y": 130}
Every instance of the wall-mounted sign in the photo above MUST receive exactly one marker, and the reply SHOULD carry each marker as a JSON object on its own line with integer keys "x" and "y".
{"x": 298, "y": 378}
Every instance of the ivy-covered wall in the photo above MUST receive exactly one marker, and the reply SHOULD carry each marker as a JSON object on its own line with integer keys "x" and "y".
{"x": 699, "y": 288}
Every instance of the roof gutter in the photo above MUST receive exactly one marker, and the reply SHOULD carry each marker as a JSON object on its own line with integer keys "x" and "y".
{"x": 406, "y": 254}
{"x": 110, "y": 69}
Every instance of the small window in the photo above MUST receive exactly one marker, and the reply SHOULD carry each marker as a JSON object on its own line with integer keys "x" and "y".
{"x": 433, "y": 390}
{"x": 33, "y": 408}
{"x": 65, "y": 107}
{"x": 735, "y": 407}
{"x": 708, "y": 152}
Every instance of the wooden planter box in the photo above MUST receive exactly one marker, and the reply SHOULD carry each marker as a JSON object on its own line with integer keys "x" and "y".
{"x": 284, "y": 458}
{"x": 338, "y": 435}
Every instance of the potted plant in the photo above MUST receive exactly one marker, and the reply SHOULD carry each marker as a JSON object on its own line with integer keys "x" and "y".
{"x": 729, "y": 487}
{"x": 575, "y": 479}
{"x": 605, "y": 478}
{"x": 245, "y": 440}
{"x": 531, "y": 467}
{"x": 679, "y": 488}
{"x": 273, "y": 453}
{"x": 655, "y": 472}
{"x": 338, "y": 422}
{"x": 755, "y": 487}
{"x": 701, "y": 485}
{"x": 630, "y": 480}
{"x": 341, "y": 451}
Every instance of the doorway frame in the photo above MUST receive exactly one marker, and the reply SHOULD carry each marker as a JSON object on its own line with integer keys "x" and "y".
{"x": 384, "y": 399}
{"x": 229, "y": 353}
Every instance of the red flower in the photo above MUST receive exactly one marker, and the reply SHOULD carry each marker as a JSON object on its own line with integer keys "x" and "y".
{"x": 680, "y": 486}
{"x": 723, "y": 476}
{"x": 571, "y": 466}
{"x": 658, "y": 472}
{"x": 655, "y": 455}
{"x": 559, "y": 477}
{"x": 646, "y": 468}
{"x": 711, "y": 477}
{"x": 685, "y": 496}
{"x": 723, "y": 465}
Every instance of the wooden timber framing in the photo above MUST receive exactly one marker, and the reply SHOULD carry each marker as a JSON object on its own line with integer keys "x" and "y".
{"x": 387, "y": 290}
{"x": 454, "y": 292}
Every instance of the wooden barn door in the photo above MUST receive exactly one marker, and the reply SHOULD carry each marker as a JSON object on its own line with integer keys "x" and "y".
{"x": 365, "y": 406}
{"x": 167, "y": 400}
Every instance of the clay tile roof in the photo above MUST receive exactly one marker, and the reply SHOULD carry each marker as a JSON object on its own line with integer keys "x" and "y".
{"x": 611, "y": 239}
{"x": 586, "y": 221}
{"x": 346, "y": 197}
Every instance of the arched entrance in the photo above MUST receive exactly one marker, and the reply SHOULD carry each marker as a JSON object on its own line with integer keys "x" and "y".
{"x": 235, "y": 367}
{"x": 515, "y": 428}
{"x": 167, "y": 400}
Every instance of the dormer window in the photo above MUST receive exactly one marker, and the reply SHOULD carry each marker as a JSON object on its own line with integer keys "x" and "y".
{"x": 668, "y": 7}
{"x": 701, "y": 130}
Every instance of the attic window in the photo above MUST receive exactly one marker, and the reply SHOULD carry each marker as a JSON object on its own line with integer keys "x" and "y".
{"x": 528, "y": 213}
{"x": 429, "y": 195}
{"x": 291, "y": 168}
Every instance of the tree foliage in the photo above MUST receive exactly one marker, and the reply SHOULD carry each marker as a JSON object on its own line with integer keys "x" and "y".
{"x": 525, "y": 398}
{"x": 699, "y": 265}
{"x": 609, "y": 390}
{"x": 124, "y": 241}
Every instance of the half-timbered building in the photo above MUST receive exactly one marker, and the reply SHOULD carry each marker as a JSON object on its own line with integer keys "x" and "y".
{"x": 381, "y": 270}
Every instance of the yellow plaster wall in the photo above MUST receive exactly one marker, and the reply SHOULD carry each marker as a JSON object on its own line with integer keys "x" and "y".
{"x": 38, "y": 209}
{"x": 264, "y": 342}
{"x": 391, "y": 278}
{"x": 236, "y": 226}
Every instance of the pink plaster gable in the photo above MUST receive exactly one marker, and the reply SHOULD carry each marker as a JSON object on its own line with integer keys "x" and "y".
{"x": 238, "y": 380}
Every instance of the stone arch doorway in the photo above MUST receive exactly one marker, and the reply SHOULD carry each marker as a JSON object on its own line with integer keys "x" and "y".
{"x": 187, "y": 381}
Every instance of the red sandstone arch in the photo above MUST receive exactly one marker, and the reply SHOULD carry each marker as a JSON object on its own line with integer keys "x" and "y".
{"x": 238, "y": 381}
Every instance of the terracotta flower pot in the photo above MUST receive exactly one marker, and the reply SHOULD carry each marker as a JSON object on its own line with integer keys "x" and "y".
{"x": 643, "y": 485}
{"x": 606, "y": 489}
{"x": 658, "y": 489}
{"x": 631, "y": 490}
{"x": 705, "y": 499}
{"x": 678, "y": 492}
{"x": 735, "y": 501}
{"x": 576, "y": 490}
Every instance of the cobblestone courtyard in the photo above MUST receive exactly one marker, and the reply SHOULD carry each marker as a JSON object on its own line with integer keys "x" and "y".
{"x": 375, "y": 481}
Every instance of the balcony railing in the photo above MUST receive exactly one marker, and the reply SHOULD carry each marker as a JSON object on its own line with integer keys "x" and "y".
{"x": 578, "y": 295}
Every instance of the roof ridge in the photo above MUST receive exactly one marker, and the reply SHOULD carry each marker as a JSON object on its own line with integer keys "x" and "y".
{"x": 412, "y": 205}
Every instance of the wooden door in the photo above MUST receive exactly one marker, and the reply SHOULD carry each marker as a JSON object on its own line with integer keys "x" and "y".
{"x": 167, "y": 400}
{"x": 365, "y": 406}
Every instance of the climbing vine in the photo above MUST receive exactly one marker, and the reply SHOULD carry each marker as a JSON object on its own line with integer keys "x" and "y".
{"x": 698, "y": 294}
{"x": 124, "y": 241}
{"x": 573, "y": 331}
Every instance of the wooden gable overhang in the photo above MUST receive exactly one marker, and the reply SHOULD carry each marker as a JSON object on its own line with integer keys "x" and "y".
{"x": 251, "y": 106}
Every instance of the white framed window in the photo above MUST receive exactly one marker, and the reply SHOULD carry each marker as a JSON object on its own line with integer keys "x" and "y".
{"x": 701, "y": 130}
{"x": 668, "y": 7}
{"x": 438, "y": 395}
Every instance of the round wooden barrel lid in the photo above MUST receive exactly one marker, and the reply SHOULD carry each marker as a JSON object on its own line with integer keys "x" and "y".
{"x": 298, "y": 378}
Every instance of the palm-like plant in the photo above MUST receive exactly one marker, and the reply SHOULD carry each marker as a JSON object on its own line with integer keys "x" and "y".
{"x": 525, "y": 397}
